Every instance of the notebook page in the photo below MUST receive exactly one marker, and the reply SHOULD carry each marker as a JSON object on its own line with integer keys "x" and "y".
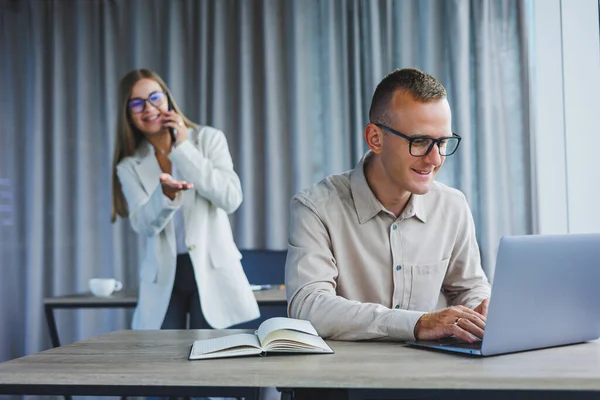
{"x": 276, "y": 323}
{"x": 207, "y": 346}
{"x": 237, "y": 352}
{"x": 295, "y": 341}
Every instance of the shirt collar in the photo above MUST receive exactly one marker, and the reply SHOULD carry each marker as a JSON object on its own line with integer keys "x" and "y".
{"x": 416, "y": 207}
{"x": 366, "y": 203}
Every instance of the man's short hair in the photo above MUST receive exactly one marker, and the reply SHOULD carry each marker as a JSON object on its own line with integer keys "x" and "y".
{"x": 422, "y": 86}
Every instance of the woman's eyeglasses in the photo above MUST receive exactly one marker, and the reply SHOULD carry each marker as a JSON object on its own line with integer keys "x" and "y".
{"x": 137, "y": 104}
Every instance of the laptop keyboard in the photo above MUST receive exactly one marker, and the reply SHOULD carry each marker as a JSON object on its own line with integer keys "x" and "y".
{"x": 454, "y": 342}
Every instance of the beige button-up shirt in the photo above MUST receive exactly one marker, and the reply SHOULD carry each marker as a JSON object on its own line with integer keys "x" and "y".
{"x": 356, "y": 271}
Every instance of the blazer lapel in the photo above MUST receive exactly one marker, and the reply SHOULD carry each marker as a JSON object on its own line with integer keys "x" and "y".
{"x": 187, "y": 208}
{"x": 149, "y": 171}
{"x": 191, "y": 204}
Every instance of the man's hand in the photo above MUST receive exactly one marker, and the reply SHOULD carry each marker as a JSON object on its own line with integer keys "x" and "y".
{"x": 458, "y": 321}
{"x": 171, "y": 187}
{"x": 483, "y": 307}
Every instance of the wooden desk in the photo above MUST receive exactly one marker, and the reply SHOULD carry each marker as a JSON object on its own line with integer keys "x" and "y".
{"x": 154, "y": 363}
{"x": 128, "y": 299}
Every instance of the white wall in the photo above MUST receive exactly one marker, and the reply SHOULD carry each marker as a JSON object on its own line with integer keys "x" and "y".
{"x": 565, "y": 95}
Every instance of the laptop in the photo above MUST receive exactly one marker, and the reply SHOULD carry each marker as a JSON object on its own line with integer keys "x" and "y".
{"x": 545, "y": 293}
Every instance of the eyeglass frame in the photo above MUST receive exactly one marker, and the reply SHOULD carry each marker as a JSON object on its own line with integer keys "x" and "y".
{"x": 147, "y": 100}
{"x": 433, "y": 141}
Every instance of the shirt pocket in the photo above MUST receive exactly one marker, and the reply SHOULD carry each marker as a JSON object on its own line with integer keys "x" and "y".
{"x": 426, "y": 284}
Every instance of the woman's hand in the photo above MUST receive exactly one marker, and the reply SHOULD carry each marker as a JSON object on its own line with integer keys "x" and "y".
{"x": 173, "y": 120}
{"x": 172, "y": 187}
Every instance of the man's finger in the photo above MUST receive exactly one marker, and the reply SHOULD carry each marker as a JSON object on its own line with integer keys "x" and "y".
{"x": 475, "y": 319}
{"x": 463, "y": 334}
{"x": 464, "y": 309}
{"x": 470, "y": 327}
{"x": 468, "y": 314}
{"x": 484, "y": 307}
{"x": 472, "y": 314}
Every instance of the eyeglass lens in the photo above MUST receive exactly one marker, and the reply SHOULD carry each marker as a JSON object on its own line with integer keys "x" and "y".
{"x": 137, "y": 105}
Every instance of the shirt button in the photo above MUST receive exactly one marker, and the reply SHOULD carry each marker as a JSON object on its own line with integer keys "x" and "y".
{"x": 394, "y": 227}
{"x": 397, "y": 306}
{"x": 398, "y": 268}
{"x": 191, "y": 247}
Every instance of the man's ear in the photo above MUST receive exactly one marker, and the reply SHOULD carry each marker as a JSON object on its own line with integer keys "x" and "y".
{"x": 374, "y": 138}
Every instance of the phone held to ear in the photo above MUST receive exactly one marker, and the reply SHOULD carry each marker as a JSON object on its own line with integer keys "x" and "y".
{"x": 171, "y": 130}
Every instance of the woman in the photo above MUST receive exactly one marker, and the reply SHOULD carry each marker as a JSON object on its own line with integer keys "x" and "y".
{"x": 177, "y": 190}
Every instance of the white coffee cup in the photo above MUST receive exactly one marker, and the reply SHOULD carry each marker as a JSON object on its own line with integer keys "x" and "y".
{"x": 103, "y": 287}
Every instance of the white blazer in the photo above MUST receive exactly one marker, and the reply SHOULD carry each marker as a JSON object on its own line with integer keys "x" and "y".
{"x": 204, "y": 160}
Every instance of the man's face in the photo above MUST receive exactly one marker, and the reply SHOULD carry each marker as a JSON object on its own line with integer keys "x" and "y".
{"x": 413, "y": 118}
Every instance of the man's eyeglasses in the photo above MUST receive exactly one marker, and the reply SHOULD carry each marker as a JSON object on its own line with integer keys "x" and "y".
{"x": 420, "y": 146}
{"x": 137, "y": 104}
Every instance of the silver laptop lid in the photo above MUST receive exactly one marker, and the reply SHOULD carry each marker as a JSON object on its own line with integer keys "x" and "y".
{"x": 546, "y": 292}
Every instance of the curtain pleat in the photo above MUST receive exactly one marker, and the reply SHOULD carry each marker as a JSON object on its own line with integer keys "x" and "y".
{"x": 290, "y": 84}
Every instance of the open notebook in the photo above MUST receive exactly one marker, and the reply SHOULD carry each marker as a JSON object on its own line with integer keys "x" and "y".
{"x": 275, "y": 335}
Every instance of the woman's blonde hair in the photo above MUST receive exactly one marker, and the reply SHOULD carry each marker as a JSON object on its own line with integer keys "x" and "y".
{"x": 128, "y": 136}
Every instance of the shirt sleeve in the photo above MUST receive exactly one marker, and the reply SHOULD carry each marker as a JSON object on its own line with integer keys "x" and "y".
{"x": 211, "y": 171}
{"x": 311, "y": 273}
{"x": 465, "y": 281}
{"x": 148, "y": 214}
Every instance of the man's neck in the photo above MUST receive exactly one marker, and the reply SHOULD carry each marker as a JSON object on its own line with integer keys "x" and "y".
{"x": 386, "y": 191}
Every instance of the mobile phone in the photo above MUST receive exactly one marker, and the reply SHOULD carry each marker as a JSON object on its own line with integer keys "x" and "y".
{"x": 171, "y": 130}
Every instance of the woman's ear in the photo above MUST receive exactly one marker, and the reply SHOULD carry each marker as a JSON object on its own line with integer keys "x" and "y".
{"x": 374, "y": 138}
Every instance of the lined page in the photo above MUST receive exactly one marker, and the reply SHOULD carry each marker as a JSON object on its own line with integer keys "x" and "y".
{"x": 223, "y": 343}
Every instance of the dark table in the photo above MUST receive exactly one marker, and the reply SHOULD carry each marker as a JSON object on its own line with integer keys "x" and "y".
{"x": 128, "y": 299}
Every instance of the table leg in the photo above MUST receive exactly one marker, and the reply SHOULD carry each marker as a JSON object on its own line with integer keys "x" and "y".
{"x": 286, "y": 393}
{"x": 52, "y": 325}
{"x": 49, "y": 311}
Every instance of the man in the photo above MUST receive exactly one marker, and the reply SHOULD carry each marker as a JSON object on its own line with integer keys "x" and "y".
{"x": 370, "y": 250}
